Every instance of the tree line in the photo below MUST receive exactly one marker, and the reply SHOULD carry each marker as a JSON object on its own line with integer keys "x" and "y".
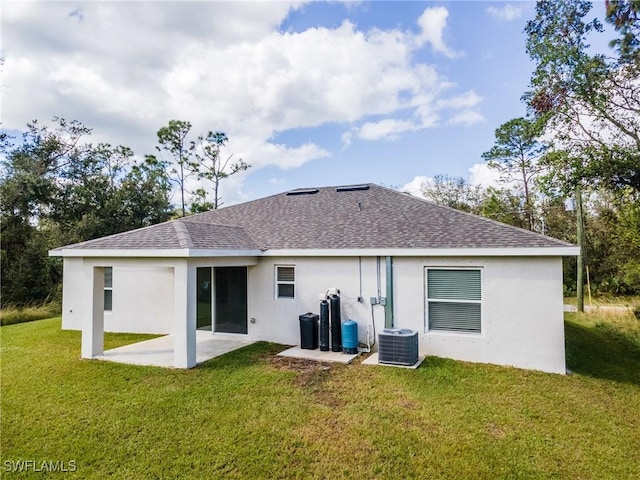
{"x": 57, "y": 189}
{"x": 579, "y": 138}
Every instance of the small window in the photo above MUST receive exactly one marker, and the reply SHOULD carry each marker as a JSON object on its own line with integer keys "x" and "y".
{"x": 108, "y": 288}
{"x": 454, "y": 300}
{"x": 285, "y": 281}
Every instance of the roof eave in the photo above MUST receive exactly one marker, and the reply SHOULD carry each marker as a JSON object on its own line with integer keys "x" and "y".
{"x": 153, "y": 252}
{"x": 559, "y": 251}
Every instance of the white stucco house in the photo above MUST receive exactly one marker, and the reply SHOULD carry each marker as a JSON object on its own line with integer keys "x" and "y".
{"x": 474, "y": 289}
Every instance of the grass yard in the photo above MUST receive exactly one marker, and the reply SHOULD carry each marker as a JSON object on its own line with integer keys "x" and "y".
{"x": 249, "y": 414}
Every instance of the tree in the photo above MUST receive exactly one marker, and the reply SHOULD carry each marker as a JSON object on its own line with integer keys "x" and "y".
{"x": 502, "y": 205}
{"x": 27, "y": 273}
{"x": 591, "y": 102}
{"x": 515, "y": 155}
{"x": 31, "y": 169}
{"x": 199, "y": 202}
{"x": 202, "y": 159}
{"x": 143, "y": 195}
{"x": 27, "y": 184}
{"x": 613, "y": 239}
{"x": 57, "y": 190}
{"x": 453, "y": 192}
{"x": 624, "y": 15}
{"x": 212, "y": 167}
{"x": 173, "y": 139}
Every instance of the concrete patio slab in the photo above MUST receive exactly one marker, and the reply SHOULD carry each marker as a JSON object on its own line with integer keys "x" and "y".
{"x": 373, "y": 360}
{"x": 318, "y": 355}
{"x": 159, "y": 351}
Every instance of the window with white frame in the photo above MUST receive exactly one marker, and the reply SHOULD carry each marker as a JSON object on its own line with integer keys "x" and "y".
{"x": 454, "y": 300}
{"x": 108, "y": 288}
{"x": 285, "y": 281}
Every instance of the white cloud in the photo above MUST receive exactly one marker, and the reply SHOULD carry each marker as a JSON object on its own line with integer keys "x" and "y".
{"x": 432, "y": 23}
{"x": 346, "y": 138}
{"x": 466, "y": 117}
{"x": 415, "y": 186}
{"x": 484, "y": 176}
{"x": 126, "y": 68}
{"x": 464, "y": 100}
{"x": 388, "y": 129}
{"x": 427, "y": 112}
{"x": 506, "y": 13}
{"x": 464, "y": 108}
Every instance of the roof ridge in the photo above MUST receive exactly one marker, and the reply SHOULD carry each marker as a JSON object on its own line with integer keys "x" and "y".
{"x": 184, "y": 237}
{"x": 193, "y": 217}
{"x": 331, "y": 187}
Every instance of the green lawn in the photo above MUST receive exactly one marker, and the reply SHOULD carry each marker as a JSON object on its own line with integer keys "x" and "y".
{"x": 251, "y": 415}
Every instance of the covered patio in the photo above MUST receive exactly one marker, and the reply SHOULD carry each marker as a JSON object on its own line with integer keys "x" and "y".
{"x": 159, "y": 352}
{"x": 169, "y": 291}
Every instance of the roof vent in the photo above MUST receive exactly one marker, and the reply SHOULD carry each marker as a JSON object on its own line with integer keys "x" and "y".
{"x": 303, "y": 191}
{"x": 352, "y": 188}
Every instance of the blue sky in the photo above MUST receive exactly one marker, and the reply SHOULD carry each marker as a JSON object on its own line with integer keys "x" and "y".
{"x": 309, "y": 93}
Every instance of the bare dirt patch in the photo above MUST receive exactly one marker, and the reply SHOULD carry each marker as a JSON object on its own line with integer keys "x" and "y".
{"x": 408, "y": 404}
{"x": 495, "y": 431}
{"x": 299, "y": 365}
{"x": 311, "y": 375}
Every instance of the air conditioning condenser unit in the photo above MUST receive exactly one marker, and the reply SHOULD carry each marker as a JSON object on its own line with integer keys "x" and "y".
{"x": 398, "y": 346}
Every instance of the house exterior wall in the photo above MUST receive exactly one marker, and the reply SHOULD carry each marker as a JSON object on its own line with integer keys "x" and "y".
{"x": 276, "y": 319}
{"x": 73, "y": 288}
{"x": 143, "y": 291}
{"x": 522, "y": 317}
{"x": 142, "y": 295}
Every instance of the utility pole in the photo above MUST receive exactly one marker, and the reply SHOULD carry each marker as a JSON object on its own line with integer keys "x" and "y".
{"x": 580, "y": 228}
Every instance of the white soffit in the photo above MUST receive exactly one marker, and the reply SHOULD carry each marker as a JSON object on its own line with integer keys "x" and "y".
{"x": 382, "y": 252}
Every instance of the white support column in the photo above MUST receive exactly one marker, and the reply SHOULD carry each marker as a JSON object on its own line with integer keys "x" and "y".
{"x": 184, "y": 317}
{"x": 93, "y": 326}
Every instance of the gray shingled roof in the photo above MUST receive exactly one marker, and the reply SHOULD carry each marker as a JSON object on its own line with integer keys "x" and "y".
{"x": 326, "y": 218}
{"x": 176, "y": 234}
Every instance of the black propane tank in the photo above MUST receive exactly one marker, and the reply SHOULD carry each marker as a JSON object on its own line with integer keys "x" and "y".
{"x": 336, "y": 324}
{"x": 324, "y": 326}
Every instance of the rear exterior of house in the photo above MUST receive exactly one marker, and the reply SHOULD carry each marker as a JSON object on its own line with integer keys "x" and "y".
{"x": 474, "y": 289}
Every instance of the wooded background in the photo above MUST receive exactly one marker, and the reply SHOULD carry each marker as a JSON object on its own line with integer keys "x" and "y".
{"x": 580, "y": 135}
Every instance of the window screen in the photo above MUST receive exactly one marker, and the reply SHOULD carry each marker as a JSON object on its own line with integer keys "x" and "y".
{"x": 454, "y": 300}
{"x": 285, "y": 281}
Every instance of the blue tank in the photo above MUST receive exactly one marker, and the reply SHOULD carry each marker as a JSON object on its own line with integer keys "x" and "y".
{"x": 349, "y": 337}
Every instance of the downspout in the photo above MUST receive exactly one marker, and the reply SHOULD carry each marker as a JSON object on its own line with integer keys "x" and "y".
{"x": 388, "y": 308}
